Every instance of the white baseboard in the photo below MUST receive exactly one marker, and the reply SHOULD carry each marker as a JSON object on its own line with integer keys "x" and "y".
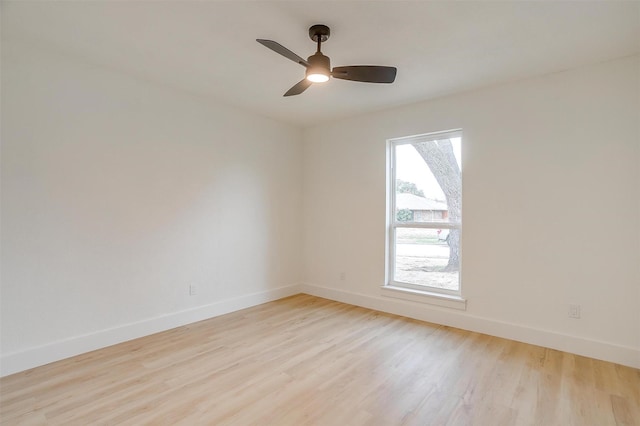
{"x": 45, "y": 354}
{"x": 577, "y": 345}
{"x": 41, "y": 355}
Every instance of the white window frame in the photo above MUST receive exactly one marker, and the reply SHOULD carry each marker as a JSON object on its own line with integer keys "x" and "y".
{"x": 408, "y": 291}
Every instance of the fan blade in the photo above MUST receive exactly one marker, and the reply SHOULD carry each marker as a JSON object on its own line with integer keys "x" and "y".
{"x": 366, "y": 73}
{"x": 278, "y": 48}
{"x": 300, "y": 87}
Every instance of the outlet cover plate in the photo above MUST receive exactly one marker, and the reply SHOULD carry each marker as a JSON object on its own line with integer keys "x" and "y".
{"x": 574, "y": 311}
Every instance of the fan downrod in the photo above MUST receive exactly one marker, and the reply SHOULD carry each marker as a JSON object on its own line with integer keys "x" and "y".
{"x": 319, "y": 32}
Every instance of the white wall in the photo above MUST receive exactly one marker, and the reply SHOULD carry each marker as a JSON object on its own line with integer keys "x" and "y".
{"x": 118, "y": 193}
{"x": 551, "y": 208}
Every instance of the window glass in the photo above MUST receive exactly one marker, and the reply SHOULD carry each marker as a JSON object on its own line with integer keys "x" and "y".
{"x": 426, "y": 212}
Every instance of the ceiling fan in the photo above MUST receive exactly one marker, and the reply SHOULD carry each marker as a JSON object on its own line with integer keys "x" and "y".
{"x": 319, "y": 66}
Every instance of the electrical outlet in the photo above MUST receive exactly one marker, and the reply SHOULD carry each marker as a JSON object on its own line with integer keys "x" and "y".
{"x": 574, "y": 311}
{"x": 193, "y": 290}
{"x": 343, "y": 276}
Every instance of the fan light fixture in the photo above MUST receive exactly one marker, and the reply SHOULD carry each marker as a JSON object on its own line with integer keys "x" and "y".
{"x": 318, "y": 76}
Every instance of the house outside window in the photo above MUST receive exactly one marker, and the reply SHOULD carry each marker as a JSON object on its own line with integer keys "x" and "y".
{"x": 425, "y": 216}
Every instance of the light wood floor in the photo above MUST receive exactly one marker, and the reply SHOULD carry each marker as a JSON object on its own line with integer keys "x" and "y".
{"x": 310, "y": 361}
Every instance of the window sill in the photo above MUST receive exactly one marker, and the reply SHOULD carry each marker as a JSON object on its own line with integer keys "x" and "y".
{"x": 421, "y": 296}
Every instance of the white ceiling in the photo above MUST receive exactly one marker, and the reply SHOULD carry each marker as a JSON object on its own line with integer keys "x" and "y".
{"x": 439, "y": 48}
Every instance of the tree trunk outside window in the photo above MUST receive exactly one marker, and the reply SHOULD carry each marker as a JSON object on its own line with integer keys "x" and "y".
{"x": 442, "y": 162}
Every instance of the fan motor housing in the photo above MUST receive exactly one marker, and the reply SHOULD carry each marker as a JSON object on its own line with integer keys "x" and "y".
{"x": 319, "y": 61}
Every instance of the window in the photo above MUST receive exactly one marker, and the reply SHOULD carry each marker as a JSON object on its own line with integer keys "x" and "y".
{"x": 425, "y": 222}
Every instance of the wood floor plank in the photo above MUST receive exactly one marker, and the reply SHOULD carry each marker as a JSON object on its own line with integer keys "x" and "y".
{"x": 306, "y": 360}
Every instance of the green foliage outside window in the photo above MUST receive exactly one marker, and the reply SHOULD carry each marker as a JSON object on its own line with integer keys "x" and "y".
{"x": 404, "y": 215}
